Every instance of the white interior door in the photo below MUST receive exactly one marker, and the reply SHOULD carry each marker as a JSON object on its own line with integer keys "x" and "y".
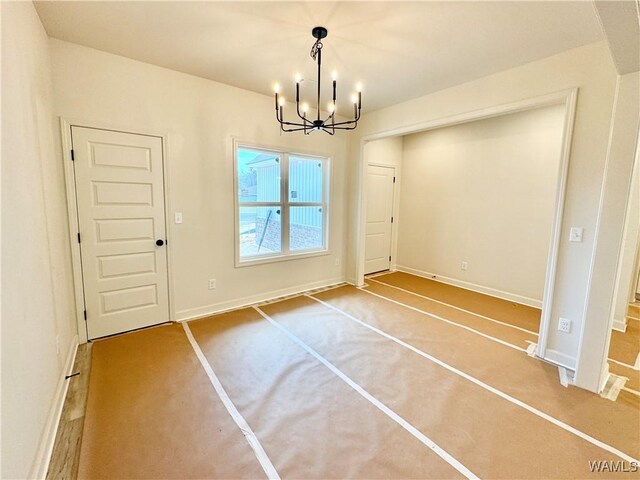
{"x": 380, "y": 182}
{"x": 120, "y": 197}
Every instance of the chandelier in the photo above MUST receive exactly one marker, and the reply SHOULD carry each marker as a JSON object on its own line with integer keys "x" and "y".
{"x": 329, "y": 124}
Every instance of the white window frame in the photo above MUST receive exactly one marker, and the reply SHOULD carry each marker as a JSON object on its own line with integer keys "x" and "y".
{"x": 284, "y": 204}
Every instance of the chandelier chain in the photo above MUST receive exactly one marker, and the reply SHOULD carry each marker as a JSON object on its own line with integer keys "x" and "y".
{"x": 316, "y": 48}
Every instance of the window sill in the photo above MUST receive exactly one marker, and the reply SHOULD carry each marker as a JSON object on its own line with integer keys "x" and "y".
{"x": 281, "y": 258}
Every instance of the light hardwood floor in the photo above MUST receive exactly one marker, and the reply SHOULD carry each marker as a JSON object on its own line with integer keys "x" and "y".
{"x": 66, "y": 450}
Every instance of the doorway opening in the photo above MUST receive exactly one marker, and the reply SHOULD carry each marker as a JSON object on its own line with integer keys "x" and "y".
{"x": 467, "y": 211}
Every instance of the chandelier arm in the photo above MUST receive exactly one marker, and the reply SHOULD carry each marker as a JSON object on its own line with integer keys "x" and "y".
{"x": 330, "y": 117}
{"x": 348, "y": 122}
{"x": 280, "y": 119}
{"x": 325, "y": 130}
{"x": 282, "y": 122}
{"x": 355, "y": 120}
{"x": 294, "y": 124}
{"x": 298, "y": 129}
{"x": 304, "y": 119}
{"x": 346, "y": 127}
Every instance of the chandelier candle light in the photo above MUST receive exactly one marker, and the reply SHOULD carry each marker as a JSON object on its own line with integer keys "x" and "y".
{"x": 328, "y": 125}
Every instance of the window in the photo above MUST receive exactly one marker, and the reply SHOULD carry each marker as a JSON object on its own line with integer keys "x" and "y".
{"x": 281, "y": 204}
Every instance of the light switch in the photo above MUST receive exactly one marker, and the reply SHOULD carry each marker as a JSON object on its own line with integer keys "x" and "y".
{"x": 178, "y": 217}
{"x": 575, "y": 235}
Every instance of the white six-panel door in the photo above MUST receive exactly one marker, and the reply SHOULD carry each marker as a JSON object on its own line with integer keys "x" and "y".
{"x": 120, "y": 201}
{"x": 380, "y": 181}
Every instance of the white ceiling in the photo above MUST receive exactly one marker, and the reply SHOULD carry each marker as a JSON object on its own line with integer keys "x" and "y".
{"x": 398, "y": 50}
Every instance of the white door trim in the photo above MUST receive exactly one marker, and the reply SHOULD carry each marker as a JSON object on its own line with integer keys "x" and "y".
{"x": 72, "y": 212}
{"x": 567, "y": 98}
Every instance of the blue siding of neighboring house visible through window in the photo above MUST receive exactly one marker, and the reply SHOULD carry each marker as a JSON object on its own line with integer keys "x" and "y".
{"x": 305, "y": 185}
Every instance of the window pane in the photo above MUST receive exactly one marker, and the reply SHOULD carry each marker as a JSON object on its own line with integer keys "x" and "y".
{"x": 260, "y": 229}
{"x": 305, "y": 179}
{"x": 305, "y": 228}
{"x": 258, "y": 176}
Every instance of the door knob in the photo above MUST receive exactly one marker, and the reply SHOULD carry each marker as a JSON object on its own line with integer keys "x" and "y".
{"x": 159, "y": 242}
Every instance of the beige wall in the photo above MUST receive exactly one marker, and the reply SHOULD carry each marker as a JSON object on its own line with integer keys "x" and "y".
{"x": 200, "y": 119}
{"x": 453, "y": 207}
{"x": 591, "y": 70}
{"x": 37, "y": 296}
{"x": 386, "y": 151}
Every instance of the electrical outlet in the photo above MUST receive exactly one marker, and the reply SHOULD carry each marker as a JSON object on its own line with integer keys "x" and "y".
{"x": 338, "y": 262}
{"x": 212, "y": 284}
{"x": 564, "y": 325}
{"x": 575, "y": 234}
{"x": 178, "y": 217}
{"x": 464, "y": 266}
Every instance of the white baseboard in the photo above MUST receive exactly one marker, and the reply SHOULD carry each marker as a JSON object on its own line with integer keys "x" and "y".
{"x": 620, "y": 325}
{"x": 559, "y": 358}
{"x": 512, "y": 297}
{"x": 193, "y": 313}
{"x": 351, "y": 281}
{"x": 43, "y": 457}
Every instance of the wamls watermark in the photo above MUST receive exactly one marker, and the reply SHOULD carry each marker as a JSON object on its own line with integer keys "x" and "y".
{"x": 613, "y": 466}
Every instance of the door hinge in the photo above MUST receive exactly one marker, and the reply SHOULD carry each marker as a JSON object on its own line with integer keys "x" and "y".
{"x": 73, "y": 156}
{"x": 389, "y": 257}
{"x": 78, "y": 237}
{"x": 391, "y": 219}
{"x": 85, "y": 315}
{"x": 394, "y": 178}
